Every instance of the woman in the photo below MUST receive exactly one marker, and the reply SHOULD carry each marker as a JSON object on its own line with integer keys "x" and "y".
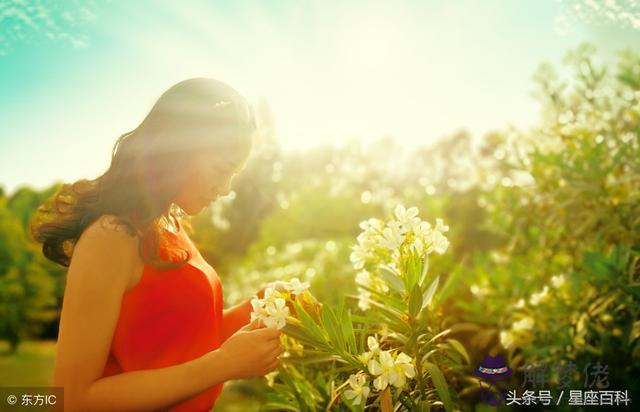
{"x": 142, "y": 325}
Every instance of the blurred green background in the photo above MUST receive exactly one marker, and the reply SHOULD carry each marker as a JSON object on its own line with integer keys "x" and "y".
{"x": 544, "y": 218}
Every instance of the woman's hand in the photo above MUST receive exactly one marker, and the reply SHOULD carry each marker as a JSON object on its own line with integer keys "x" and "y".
{"x": 252, "y": 351}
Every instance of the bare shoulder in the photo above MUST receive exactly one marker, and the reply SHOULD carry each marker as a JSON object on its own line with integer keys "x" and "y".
{"x": 107, "y": 225}
{"x": 106, "y": 234}
{"x": 108, "y": 250}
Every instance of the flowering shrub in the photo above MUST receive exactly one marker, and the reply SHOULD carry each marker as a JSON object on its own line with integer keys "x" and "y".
{"x": 564, "y": 196}
{"x": 326, "y": 364}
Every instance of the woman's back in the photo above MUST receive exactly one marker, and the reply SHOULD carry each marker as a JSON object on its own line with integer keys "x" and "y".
{"x": 134, "y": 316}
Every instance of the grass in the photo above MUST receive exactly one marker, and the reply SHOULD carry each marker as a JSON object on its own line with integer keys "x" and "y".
{"x": 32, "y": 365}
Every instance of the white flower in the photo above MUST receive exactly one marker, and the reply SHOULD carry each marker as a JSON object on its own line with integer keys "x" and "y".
{"x": 371, "y": 224}
{"x": 440, "y": 226}
{"x": 396, "y": 260}
{"x": 258, "y": 310}
{"x": 520, "y": 303}
{"x": 295, "y": 286}
{"x": 373, "y": 344}
{"x": 270, "y": 293}
{"x": 277, "y": 313}
{"x": 438, "y": 243}
{"x": 363, "y": 299}
{"x": 423, "y": 230}
{"x": 363, "y": 278}
{"x": 359, "y": 389}
{"x": 407, "y": 218}
{"x": 540, "y": 296}
{"x": 390, "y": 371}
{"x": 433, "y": 237}
{"x": 368, "y": 239}
{"x": 374, "y": 349}
{"x": 358, "y": 256}
{"x": 404, "y": 367}
{"x": 392, "y": 236}
{"x": 506, "y": 338}
{"x": 383, "y": 368}
{"x": 525, "y": 323}
{"x": 418, "y": 246}
{"x": 557, "y": 281}
{"x": 271, "y": 310}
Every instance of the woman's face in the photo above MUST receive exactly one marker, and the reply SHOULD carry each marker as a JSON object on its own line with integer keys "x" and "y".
{"x": 209, "y": 176}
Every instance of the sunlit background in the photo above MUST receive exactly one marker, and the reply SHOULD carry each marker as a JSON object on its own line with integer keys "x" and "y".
{"x": 516, "y": 124}
{"x": 76, "y": 74}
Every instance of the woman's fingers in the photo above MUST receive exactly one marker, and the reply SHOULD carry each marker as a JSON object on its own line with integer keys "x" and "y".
{"x": 255, "y": 324}
{"x": 273, "y": 365}
{"x": 268, "y": 334}
{"x": 274, "y": 353}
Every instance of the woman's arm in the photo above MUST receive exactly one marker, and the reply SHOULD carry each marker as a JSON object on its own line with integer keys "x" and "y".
{"x": 153, "y": 388}
{"x": 237, "y": 316}
{"x": 99, "y": 273}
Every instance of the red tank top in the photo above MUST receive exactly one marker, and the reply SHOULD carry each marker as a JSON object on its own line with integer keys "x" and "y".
{"x": 170, "y": 317}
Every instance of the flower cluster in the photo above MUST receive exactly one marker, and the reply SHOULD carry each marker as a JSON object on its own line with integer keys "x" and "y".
{"x": 389, "y": 368}
{"x": 382, "y": 243}
{"x": 406, "y": 230}
{"x": 272, "y": 309}
{"x": 386, "y": 367}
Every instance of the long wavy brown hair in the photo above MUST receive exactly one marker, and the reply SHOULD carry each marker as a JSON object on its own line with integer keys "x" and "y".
{"x": 147, "y": 170}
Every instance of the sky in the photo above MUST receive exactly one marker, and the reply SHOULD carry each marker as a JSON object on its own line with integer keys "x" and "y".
{"x": 74, "y": 75}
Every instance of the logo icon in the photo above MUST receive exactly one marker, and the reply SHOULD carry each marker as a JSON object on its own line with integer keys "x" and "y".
{"x": 493, "y": 370}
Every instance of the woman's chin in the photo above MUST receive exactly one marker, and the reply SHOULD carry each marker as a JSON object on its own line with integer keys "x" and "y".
{"x": 193, "y": 210}
{"x": 203, "y": 206}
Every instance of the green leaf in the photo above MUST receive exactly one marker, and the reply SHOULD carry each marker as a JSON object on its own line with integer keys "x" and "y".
{"x": 392, "y": 279}
{"x": 276, "y": 406}
{"x": 303, "y": 335}
{"x": 449, "y": 284}
{"x": 332, "y": 327}
{"x": 309, "y": 324}
{"x": 440, "y": 384}
{"x": 424, "y": 406}
{"x": 431, "y": 290}
{"x": 303, "y": 360}
{"x": 349, "y": 333}
{"x": 393, "y": 317}
{"x": 363, "y": 319}
{"x": 632, "y": 290}
{"x": 455, "y": 344}
{"x": 425, "y": 269}
{"x": 415, "y": 301}
{"x": 387, "y": 299}
{"x": 413, "y": 275}
{"x": 439, "y": 335}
